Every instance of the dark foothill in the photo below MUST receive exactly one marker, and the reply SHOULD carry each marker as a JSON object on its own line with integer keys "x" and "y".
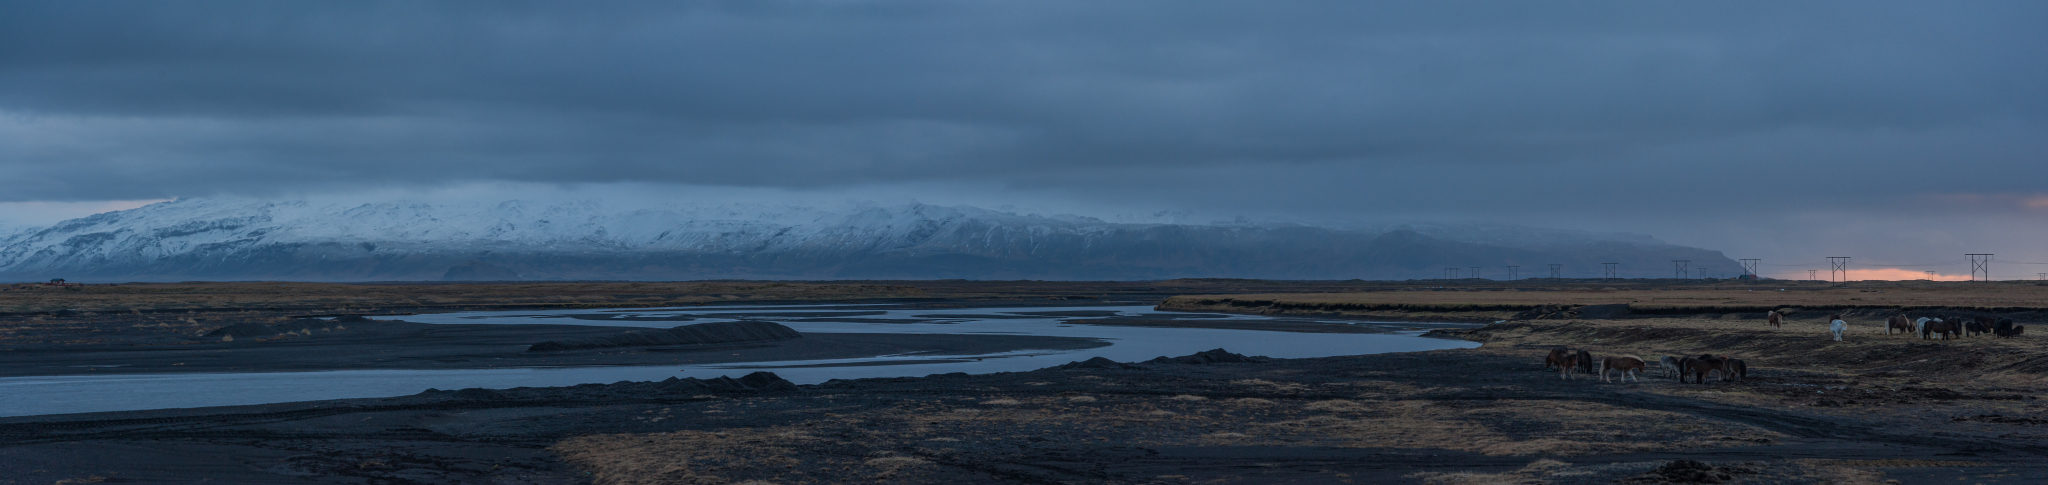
{"x": 702, "y": 333}
{"x": 1214, "y": 356}
{"x": 1097, "y": 363}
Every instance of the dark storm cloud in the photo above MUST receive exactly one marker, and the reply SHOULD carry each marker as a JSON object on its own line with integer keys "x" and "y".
{"x": 1517, "y": 107}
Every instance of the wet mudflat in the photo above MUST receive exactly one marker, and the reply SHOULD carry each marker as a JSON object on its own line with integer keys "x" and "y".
{"x": 1451, "y": 415}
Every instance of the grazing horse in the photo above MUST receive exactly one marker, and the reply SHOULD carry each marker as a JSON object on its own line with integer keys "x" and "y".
{"x": 1733, "y": 367}
{"x": 1774, "y": 320}
{"x": 1699, "y": 367}
{"x": 1625, "y": 364}
{"x": 1946, "y": 329}
{"x": 1899, "y": 323}
{"x": 1565, "y": 365}
{"x": 1586, "y": 362}
{"x": 2003, "y": 328}
{"x": 1837, "y": 327}
{"x": 1556, "y": 358}
{"x": 1669, "y": 365}
{"x": 1920, "y": 324}
{"x": 1978, "y": 326}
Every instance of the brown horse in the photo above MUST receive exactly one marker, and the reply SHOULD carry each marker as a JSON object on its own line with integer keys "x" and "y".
{"x": 1900, "y": 323}
{"x": 1774, "y": 320}
{"x": 1625, "y": 364}
{"x": 1699, "y": 367}
{"x": 1733, "y": 367}
{"x": 1565, "y": 365}
{"x": 1939, "y": 326}
{"x": 2004, "y": 328}
{"x": 1978, "y": 326}
{"x": 1586, "y": 362}
{"x": 1556, "y": 358}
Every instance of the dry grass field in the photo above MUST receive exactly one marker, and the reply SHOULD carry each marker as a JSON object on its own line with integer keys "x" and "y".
{"x": 1485, "y": 303}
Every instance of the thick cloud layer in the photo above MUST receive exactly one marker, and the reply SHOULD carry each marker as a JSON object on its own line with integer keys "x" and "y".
{"x": 1688, "y": 120}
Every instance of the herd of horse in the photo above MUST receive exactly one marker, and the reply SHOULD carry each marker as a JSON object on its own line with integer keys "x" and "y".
{"x": 1928, "y": 327}
{"x": 1566, "y": 361}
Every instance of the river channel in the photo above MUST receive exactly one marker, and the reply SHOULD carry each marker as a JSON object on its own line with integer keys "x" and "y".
{"x": 24, "y": 396}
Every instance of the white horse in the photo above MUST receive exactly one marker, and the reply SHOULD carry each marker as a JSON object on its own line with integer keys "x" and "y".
{"x": 1837, "y": 327}
{"x": 1921, "y": 324}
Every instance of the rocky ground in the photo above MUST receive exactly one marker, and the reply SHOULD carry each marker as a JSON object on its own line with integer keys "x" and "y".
{"x": 1462, "y": 416}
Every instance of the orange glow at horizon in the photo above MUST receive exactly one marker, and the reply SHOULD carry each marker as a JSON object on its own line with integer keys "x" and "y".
{"x": 1879, "y": 274}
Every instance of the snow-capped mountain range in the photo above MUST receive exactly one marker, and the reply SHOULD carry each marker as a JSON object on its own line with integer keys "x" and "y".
{"x": 247, "y": 239}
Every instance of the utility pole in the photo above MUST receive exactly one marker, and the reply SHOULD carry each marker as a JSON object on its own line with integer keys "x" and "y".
{"x": 1838, "y": 268}
{"x": 2044, "y": 276}
{"x": 1980, "y": 264}
{"x": 1678, "y": 268}
{"x": 1513, "y": 272}
{"x": 1609, "y": 269}
{"x": 1475, "y": 272}
{"x": 1450, "y": 274}
{"x": 1556, "y": 271}
{"x": 1749, "y": 266}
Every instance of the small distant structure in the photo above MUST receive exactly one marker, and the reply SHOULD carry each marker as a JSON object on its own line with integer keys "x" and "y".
{"x": 60, "y": 282}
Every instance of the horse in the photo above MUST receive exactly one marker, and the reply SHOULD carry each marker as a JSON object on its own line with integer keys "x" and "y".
{"x": 1774, "y": 320}
{"x": 1586, "y": 362}
{"x": 1899, "y": 323}
{"x": 1669, "y": 365}
{"x": 1920, "y": 324}
{"x": 1837, "y": 327}
{"x": 1946, "y": 329}
{"x": 1734, "y": 367}
{"x": 1978, "y": 326}
{"x": 1556, "y": 358}
{"x": 1565, "y": 365}
{"x": 1625, "y": 364}
{"x": 2003, "y": 329}
{"x": 1699, "y": 367}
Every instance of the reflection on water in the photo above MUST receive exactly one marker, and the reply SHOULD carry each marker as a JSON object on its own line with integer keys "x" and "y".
{"x": 22, "y": 396}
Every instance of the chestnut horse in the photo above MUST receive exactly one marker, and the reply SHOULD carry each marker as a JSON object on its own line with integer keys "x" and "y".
{"x": 1733, "y": 367}
{"x": 1566, "y": 363}
{"x": 1898, "y": 322}
{"x": 1943, "y": 327}
{"x": 1625, "y": 364}
{"x": 1556, "y": 358}
{"x": 1978, "y": 326}
{"x": 1774, "y": 320}
{"x": 1699, "y": 367}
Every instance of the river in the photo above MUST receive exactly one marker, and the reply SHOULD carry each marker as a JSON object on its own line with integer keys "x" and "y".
{"x": 25, "y": 396}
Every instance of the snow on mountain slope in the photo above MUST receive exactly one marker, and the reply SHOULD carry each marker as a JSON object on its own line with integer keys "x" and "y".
{"x": 228, "y": 238}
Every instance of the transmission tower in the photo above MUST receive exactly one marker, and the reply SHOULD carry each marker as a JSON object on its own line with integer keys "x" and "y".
{"x": 1678, "y": 268}
{"x": 1609, "y": 267}
{"x": 1980, "y": 264}
{"x": 1812, "y": 274}
{"x": 1749, "y": 266}
{"x": 1450, "y": 274}
{"x": 1514, "y": 272}
{"x": 1556, "y": 271}
{"x": 1838, "y": 268}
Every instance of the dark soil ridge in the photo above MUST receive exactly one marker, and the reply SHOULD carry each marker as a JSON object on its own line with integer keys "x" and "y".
{"x": 1423, "y": 311}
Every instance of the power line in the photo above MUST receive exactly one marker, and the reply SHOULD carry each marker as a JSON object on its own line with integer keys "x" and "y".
{"x": 1979, "y": 264}
{"x": 1838, "y": 268}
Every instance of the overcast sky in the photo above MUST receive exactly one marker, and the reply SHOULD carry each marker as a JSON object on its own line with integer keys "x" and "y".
{"x": 1894, "y": 132}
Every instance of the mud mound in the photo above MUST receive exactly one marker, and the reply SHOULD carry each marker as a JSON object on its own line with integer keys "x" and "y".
{"x": 702, "y": 333}
{"x": 1216, "y": 356}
